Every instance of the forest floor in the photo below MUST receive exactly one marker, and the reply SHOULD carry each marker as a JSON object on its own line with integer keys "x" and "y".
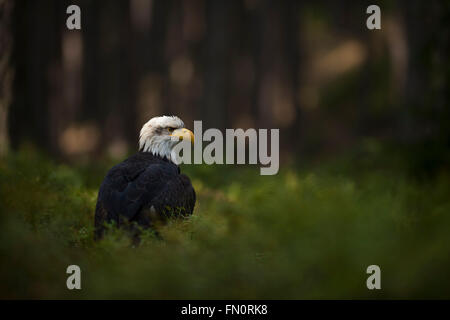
{"x": 309, "y": 232}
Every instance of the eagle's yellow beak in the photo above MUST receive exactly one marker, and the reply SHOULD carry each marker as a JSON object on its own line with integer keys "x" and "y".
{"x": 182, "y": 134}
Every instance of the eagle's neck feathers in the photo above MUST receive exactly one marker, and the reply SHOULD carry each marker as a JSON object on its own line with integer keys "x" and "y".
{"x": 158, "y": 147}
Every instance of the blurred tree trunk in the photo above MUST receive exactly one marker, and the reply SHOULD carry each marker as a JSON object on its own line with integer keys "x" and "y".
{"x": 37, "y": 52}
{"x": 426, "y": 112}
{"x": 295, "y": 55}
{"x": 113, "y": 113}
{"x": 6, "y": 71}
{"x": 91, "y": 60}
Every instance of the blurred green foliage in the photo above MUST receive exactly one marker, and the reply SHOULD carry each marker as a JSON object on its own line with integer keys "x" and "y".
{"x": 309, "y": 232}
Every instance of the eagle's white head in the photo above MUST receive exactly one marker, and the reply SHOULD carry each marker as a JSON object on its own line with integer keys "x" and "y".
{"x": 160, "y": 134}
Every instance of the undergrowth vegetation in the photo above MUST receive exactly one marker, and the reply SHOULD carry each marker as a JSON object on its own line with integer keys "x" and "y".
{"x": 309, "y": 232}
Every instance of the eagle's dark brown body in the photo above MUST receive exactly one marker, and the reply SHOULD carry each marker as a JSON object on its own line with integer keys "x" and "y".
{"x": 141, "y": 189}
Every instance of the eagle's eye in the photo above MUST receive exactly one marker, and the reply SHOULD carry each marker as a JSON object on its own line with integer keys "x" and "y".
{"x": 171, "y": 129}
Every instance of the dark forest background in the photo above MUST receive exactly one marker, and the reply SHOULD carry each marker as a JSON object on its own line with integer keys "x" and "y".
{"x": 364, "y": 121}
{"x": 312, "y": 69}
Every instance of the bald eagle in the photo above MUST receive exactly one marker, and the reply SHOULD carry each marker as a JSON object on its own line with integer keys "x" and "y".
{"x": 148, "y": 186}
